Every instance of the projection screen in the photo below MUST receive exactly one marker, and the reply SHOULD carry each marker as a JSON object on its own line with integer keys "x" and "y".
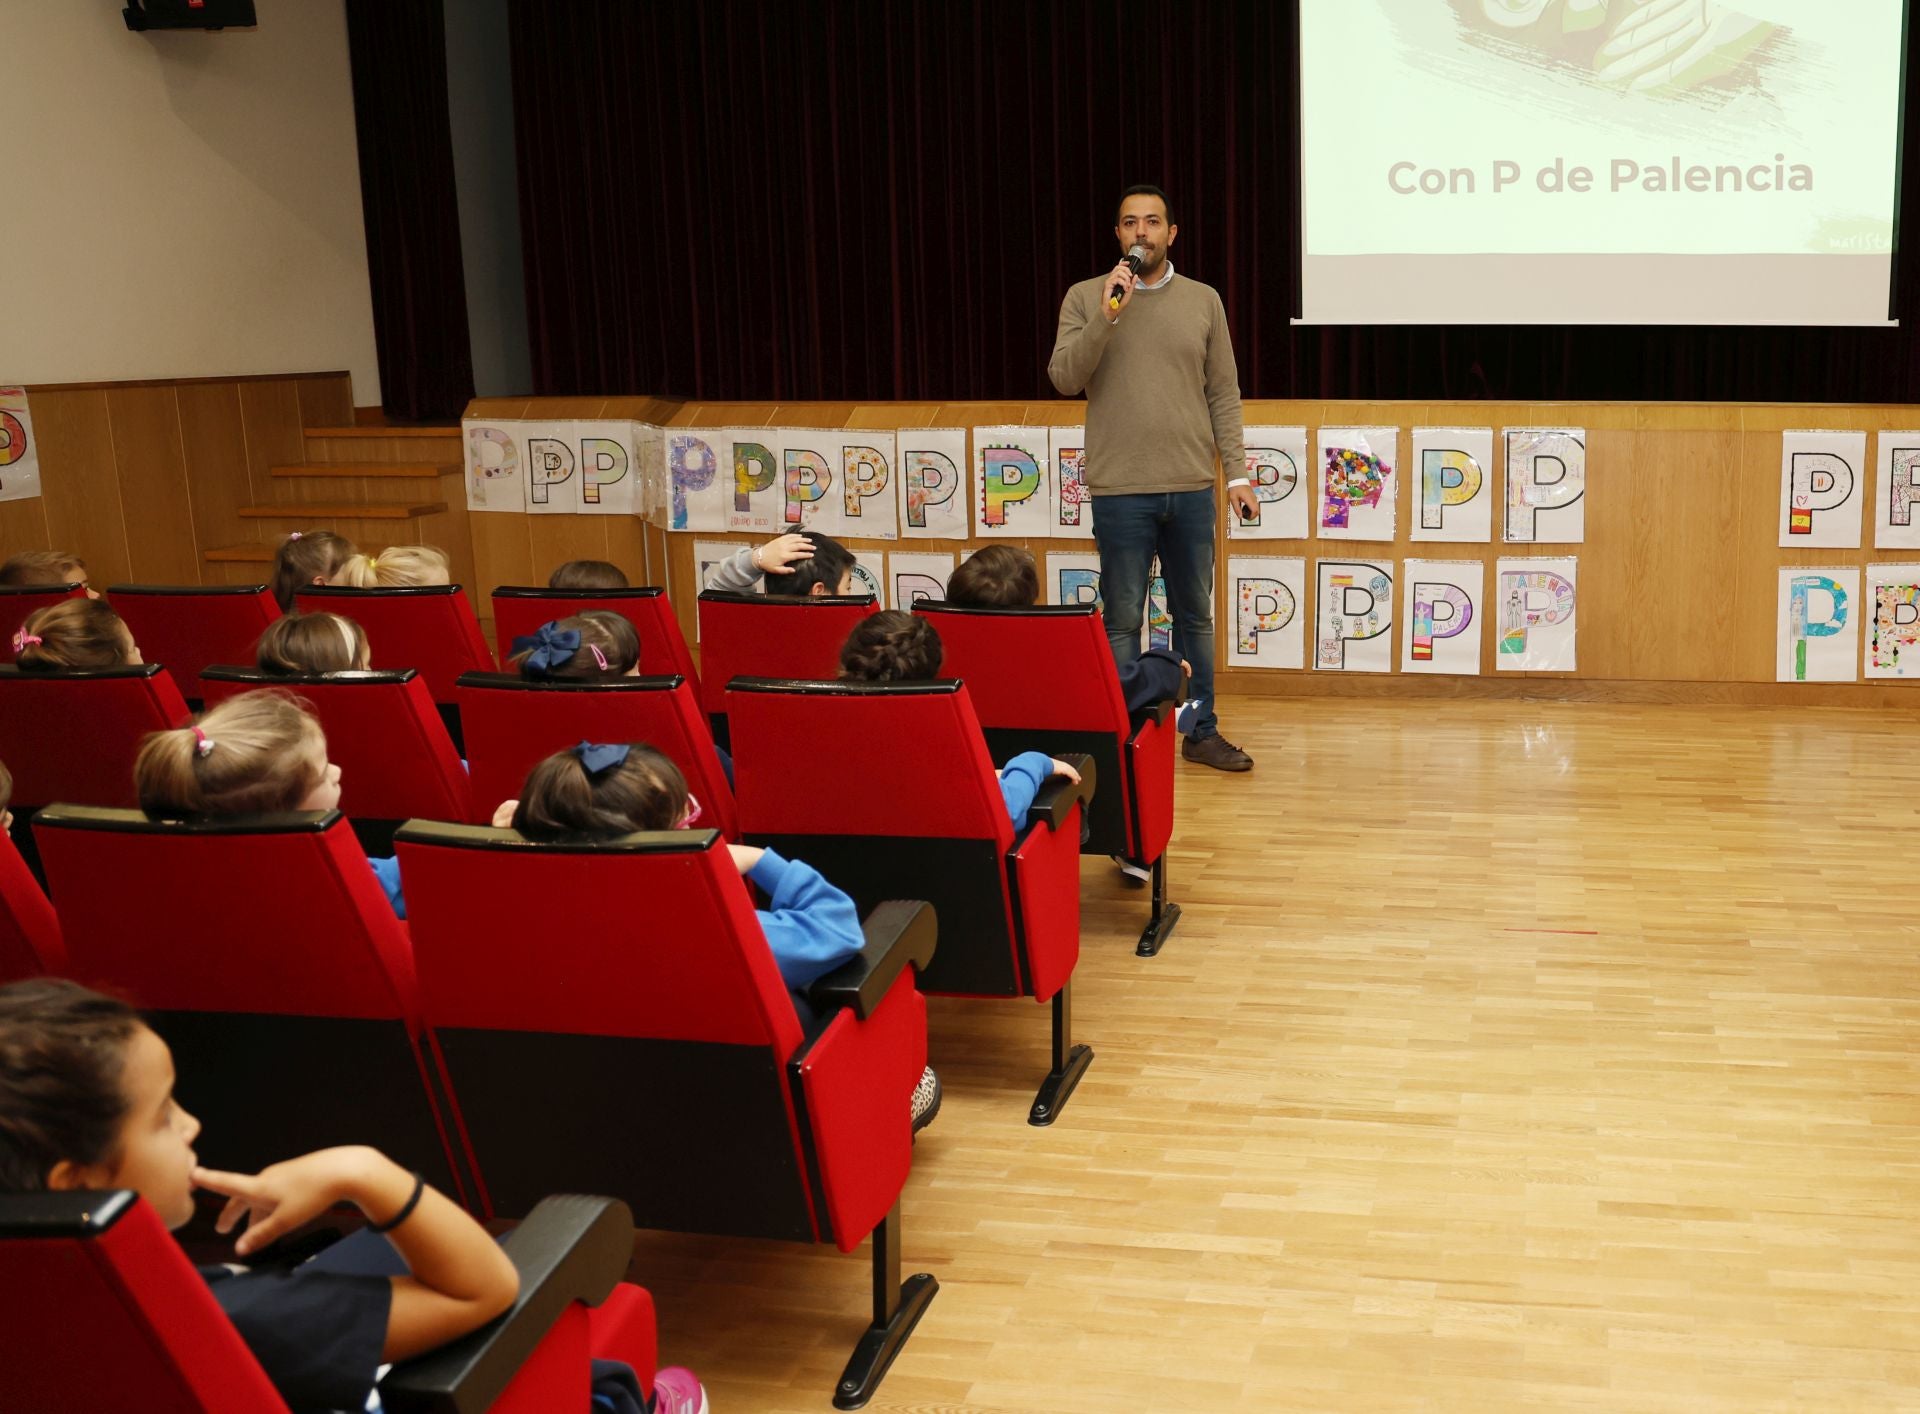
{"x": 1599, "y": 161}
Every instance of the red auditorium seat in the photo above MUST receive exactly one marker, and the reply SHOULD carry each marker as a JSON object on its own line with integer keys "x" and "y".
{"x": 997, "y": 653}
{"x": 430, "y": 627}
{"x": 772, "y": 636}
{"x": 73, "y": 735}
{"x": 512, "y": 723}
{"x": 29, "y": 933}
{"x": 518, "y": 610}
{"x": 263, "y": 950}
{"x": 188, "y": 627}
{"x": 383, "y": 731}
{"x": 634, "y": 970}
{"x": 887, "y": 789}
{"x": 103, "y": 1310}
{"x": 19, "y": 600}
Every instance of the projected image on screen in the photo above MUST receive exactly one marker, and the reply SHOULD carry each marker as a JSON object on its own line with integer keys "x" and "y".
{"x": 1599, "y": 161}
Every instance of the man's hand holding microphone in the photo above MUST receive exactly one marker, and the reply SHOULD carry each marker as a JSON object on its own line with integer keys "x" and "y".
{"x": 1120, "y": 284}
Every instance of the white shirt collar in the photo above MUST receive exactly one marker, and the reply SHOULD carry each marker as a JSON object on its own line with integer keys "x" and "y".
{"x": 1161, "y": 283}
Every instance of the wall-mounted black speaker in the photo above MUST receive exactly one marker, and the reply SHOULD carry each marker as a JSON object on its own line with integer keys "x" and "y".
{"x": 188, "y": 14}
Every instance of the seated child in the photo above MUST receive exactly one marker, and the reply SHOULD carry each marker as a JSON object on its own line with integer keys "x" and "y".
{"x": 588, "y": 574}
{"x": 895, "y": 646}
{"x": 1004, "y": 577}
{"x": 307, "y": 557}
{"x": 399, "y": 567}
{"x": 579, "y": 648}
{"x": 254, "y": 754}
{"x": 806, "y": 563}
{"x": 53, "y": 568}
{"x": 602, "y": 792}
{"x": 86, "y": 1103}
{"x": 303, "y": 645}
{"x": 75, "y": 633}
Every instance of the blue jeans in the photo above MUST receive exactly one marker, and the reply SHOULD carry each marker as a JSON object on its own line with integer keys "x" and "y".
{"x": 1178, "y": 526}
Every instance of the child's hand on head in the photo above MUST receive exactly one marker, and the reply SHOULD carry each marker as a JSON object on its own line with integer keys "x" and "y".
{"x": 779, "y": 554}
{"x": 503, "y": 814}
{"x": 745, "y": 856}
{"x": 1061, "y": 768}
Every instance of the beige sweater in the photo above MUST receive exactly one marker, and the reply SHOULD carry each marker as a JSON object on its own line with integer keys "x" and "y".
{"x": 1163, "y": 394}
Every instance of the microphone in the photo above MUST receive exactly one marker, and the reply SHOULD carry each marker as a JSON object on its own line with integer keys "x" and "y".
{"x": 1134, "y": 257}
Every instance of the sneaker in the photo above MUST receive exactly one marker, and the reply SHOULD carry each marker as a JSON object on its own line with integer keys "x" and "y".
{"x": 1216, "y": 751}
{"x": 677, "y": 1391}
{"x": 926, "y": 1100}
{"x": 1134, "y": 874}
{"x": 1188, "y": 714}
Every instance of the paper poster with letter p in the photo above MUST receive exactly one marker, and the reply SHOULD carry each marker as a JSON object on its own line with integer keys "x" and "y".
{"x": 496, "y": 478}
{"x": 1358, "y": 482}
{"x": 916, "y": 575}
{"x": 1818, "y": 636}
{"x": 1536, "y": 600}
{"x": 1893, "y": 639}
{"x": 1013, "y": 482}
{"x": 931, "y": 473}
{"x": 1452, "y": 481}
{"x": 1072, "y": 505}
{"x": 1820, "y": 489}
{"x": 699, "y": 491}
{"x": 1896, "y": 494}
{"x": 1267, "y": 595}
{"x": 1546, "y": 486}
{"x": 1441, "y": 614}
{"x": 1277, "y": 468}
{"x": 1353, "y": 616}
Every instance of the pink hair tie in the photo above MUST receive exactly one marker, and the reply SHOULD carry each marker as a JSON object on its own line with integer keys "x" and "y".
{"x": 598, "y": 656}
{"x": 293, "y": 537}
{"x": 22, "y": 640}
{"x": 202, "y": 743}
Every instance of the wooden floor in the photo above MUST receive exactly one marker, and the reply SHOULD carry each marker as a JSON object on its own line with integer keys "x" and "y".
{"x": 1508, "y": 1056}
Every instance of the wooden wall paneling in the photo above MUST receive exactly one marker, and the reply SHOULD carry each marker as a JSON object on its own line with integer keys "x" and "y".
{"x": 627, "y": 547}
{"x": 213, "y": 437}
{"x": 79, "y": 481}
{"x": 275, "y": 436}
{"x": 23, "y": 526}
{"x": 325, "y": 400}
{"x": 155, "y": 496}
{"x": 821, "y": 415}
{"x": 556, "y": 539}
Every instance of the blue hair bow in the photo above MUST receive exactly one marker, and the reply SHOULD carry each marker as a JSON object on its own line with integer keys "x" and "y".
{"x": 547, "y": 648}
{"x": 600, "y": 759}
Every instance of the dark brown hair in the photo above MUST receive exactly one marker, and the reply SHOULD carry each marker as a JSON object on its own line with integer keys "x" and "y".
{"x": 306, "y": 556}
{"x": 62, "y": 1059}
{"x": 1143, "y": 189}
{"x": 75, "y": 633}
{"x": 43, "y": 567}
{"x": 830, "y": 564}
{"x": 588, "y": 574}
{"x": 613, "y": 634}
{"x": 301, "y": 644}
{"x": 891, "y": 646}
{"x": 563, "y": 799}
{"x": 995, "y": 577}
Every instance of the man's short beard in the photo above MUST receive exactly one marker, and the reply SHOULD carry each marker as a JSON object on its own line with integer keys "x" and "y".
{"x": 1147, "y": 273}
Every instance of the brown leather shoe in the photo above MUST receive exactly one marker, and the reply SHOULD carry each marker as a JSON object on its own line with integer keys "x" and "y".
{"x": 1216, "y": 751}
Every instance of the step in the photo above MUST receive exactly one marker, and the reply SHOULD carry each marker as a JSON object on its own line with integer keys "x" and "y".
{"x": 450, "y": 430}
{"x": 395, "y": 470}
{"x": 319, "y": 513}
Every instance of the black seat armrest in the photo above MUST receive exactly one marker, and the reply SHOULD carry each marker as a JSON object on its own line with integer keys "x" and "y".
{"x": 1057, "y": 794}
{"x": 570, "y": 1248}
{"x": 899, "y": 932}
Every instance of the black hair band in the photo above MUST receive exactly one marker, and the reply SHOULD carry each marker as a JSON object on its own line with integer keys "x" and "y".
{"x": 419, "y": 1187}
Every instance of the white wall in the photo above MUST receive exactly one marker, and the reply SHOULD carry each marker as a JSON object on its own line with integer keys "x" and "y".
{"x": 181, "y": 204}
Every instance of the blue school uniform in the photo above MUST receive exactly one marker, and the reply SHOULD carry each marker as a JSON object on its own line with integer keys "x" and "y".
{"x": 811, "y": 927}
{"x": 387, "y": 871}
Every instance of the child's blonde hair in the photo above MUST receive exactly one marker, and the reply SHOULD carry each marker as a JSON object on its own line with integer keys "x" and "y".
{"x": 259, "y": 752}
{"x": 307, "y": 557}
{"x": 399, "y": 567}
{"x": 304, "y": 644}
{"x": 75, "y": 633}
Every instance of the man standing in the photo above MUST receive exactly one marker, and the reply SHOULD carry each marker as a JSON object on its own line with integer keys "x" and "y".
{"x": 1163, "y": 395}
